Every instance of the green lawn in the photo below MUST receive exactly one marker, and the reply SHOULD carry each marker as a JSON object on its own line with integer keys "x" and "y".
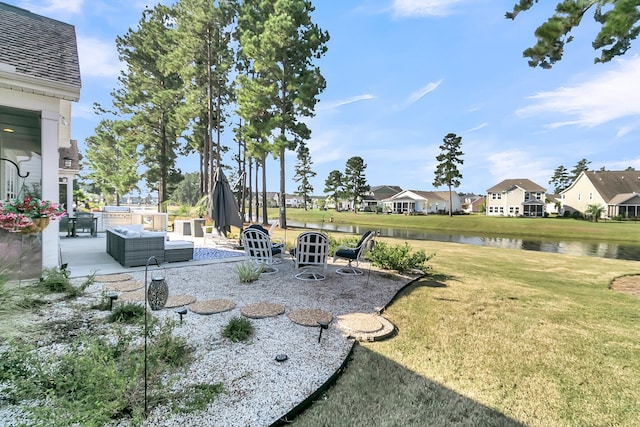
{"x": 481, "y": 225}
{"x": 498, "y": 337}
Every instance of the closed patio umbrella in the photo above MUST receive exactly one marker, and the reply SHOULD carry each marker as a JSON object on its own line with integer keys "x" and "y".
{"x": 224, "y": 208}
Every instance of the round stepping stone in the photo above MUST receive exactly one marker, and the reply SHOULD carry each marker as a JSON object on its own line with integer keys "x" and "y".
{"x": 261, "y": 310}
{"x": 360, "y": 322}
{"x": 113, "y": 278}
{"x": 135, "y": 296}
{"x": 310, "y": 317}
{"x": 179, "y": 300}
{"x": 212, "y": 306}
{"x": 128, "y": 286}
{"x": 351, "y": 322}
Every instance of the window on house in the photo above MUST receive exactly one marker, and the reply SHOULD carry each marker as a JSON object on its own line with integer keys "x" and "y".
{"x": 590, "y": 196}
{"x": 579, "y": 196}
{"x": 11, "y": 179}
{"x": 527, "y": 196}
{"x": 538, "y": 196}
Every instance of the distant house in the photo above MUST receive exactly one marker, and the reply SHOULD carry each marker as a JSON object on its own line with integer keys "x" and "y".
{"x": 516, "y": 197}
{"x": 422, "y": 202}
{"x": 472, "y": 203}
{"x": 618, "y": 192}
{"x": 552, "y": 204}
{"x": 39, "y": 79}
{"x": 375, "y": 196}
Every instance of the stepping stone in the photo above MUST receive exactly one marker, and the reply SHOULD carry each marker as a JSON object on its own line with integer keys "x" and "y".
{"x": 212, "y": 306}
{"x": 113, "y": 278}
{"x": 261, "y": 310}
{"x": 179, "y": 300}
{"x": 127, "y": 286}
{"x": 366, "y": 327}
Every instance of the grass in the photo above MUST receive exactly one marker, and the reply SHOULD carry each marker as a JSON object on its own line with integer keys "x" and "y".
{"x": 480, "y": 225}
{"x": 498, "y": 337}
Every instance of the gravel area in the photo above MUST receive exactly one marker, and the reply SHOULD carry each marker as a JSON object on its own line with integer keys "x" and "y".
{"x": 258, "y": 390}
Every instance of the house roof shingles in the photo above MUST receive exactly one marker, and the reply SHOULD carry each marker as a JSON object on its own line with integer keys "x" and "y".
{"x": 38, "y": 46}
{"x": 611, "y": 183}
{"x": 525, "y": 184}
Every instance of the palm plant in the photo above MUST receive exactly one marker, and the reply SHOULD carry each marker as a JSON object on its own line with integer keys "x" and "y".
{"x": 594, "y": 211}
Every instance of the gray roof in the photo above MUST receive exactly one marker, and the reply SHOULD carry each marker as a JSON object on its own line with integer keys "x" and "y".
{"x": 525, "y": 184}
{"x": 611, "y": 183}
{"x": 38, "y": 46}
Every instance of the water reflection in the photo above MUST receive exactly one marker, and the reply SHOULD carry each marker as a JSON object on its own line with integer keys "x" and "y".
{"x": 597, "y": 249}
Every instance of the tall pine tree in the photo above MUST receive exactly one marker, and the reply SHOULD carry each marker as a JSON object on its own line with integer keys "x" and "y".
{"x": 150, "y": 94}
{"x": 279, "y": 42}
{"x": 447, "y": 172}
{"x": 303, "y": 174}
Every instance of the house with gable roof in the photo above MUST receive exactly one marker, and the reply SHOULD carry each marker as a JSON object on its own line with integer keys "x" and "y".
{"x": 422, "y": 202}
{"x": 618, "y": 192}
{"x": 516, "y": 197}
{"x": 39, "y": 80}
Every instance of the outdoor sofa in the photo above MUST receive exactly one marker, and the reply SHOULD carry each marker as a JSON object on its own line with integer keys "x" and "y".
{"x": 131, "y": 246}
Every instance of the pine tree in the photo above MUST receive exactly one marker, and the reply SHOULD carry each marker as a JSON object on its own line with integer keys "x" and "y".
{"x": 303, "y": 173}
{"x": 618, "y": 20}
{"x": 355, "y": 182}
{"x": 150, "y": 95}
{"x": 111, "y": 159}
{"x": 447, "y": 172}
{"x": 560, "y": 179}
{"x": 334, "y": 186}
{"x": 278, "y": 42}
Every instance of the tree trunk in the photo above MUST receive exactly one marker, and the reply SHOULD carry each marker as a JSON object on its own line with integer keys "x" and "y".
{"x": 265, "y": 220}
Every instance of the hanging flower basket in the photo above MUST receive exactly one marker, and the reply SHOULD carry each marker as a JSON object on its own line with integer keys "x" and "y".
{"x": 29, "y": 215}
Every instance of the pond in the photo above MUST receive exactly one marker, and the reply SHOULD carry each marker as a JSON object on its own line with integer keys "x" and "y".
{"x": 624, "y": 251}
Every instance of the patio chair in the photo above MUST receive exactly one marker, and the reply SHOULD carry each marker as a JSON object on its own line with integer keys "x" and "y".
{"x": 258, "y": 247}
{"x": 311, "y": 251}
{"x": 276, "y": 242}
{"x": 354, "y": 253}
{"x": 86, "y": 222}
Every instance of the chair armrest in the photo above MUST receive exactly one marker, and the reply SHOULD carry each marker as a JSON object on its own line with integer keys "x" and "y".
{"x": 277, "y": 241}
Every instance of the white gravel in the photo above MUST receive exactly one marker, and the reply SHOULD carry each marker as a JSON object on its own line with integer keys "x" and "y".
{"x": 258, "y": 390}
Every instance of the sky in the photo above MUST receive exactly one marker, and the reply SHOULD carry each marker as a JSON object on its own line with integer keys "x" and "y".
{"x": 402, "y": 74}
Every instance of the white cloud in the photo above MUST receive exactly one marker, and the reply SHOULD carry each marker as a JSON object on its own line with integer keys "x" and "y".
{"x": 475, "y": 128}
{"x": 605, "y": 97}
{"x": 53, "y": 7}
{"x": 98, "y": 58}
{"x": 425, "y": 90}
{"x": 512, "y": 164}
{"x": 423, "y": 7}
{"x": 340, "y": 103}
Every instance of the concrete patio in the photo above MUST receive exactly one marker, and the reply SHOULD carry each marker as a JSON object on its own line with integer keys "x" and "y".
{"x": 86, "y": 255}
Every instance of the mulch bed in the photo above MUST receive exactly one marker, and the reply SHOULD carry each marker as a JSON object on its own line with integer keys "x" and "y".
{"x": 261, "y": 310}
{"x": 628, "y": 284}
{"x": 113, "y": 278}
{"x": 310, "y": 317}
{"x": 212, "y": 306}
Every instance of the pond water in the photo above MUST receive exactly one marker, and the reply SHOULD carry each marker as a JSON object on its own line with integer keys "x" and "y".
{"x": 597, "y": 249}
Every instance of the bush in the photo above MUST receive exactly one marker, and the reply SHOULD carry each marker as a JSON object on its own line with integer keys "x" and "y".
{"x": 127, "y": 313}
{"x": 398, "y": 257}
{"x": 238, "y": 329}
{"x": 96, "y": 380}
{"x": 249, "y": 271}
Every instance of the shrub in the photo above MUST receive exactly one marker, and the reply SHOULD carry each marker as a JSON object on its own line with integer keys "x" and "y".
{"x": 95, "y": 381}
{"x": 249, "y": 271}
{"x": 398, "y": 257}
{"x": 238, "y": 329}
{"x": 127, "y": 313}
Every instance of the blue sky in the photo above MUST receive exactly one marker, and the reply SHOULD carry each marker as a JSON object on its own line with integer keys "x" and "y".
{"x": 401, "y": 74}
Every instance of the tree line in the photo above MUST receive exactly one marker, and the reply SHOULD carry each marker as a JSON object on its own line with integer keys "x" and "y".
{"x": 190, "y": 68}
